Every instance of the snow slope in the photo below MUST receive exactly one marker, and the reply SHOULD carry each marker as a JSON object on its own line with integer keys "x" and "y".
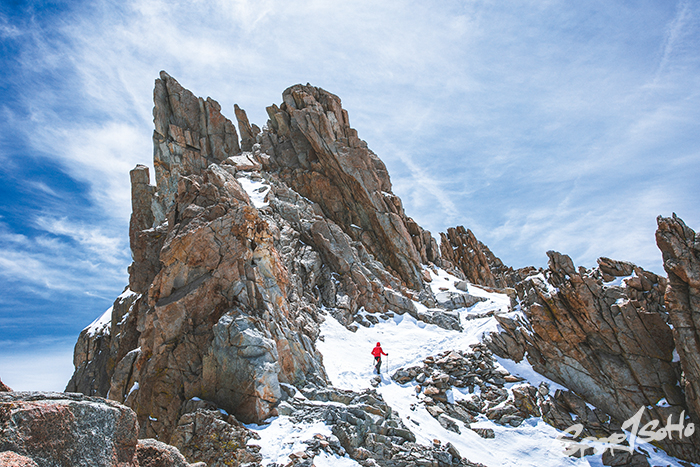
{"x": 349, "y": 365}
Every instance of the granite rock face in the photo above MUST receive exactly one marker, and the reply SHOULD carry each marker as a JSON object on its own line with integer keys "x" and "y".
{"x": 462, "y": 252}
{"x": 604, "y": 334}
{"x": 207, "y": 312}
{"x": 60, "y": 429}
{"x": 320, "y": 156}
{"x": 680, "y": 246}
{"x": 609, "y": 343}
{"x": 233, "y": 267}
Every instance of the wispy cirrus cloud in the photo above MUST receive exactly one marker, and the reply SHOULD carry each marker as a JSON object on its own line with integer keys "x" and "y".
{"x": 539, "y": 125}
{"x": 63, "y": 257}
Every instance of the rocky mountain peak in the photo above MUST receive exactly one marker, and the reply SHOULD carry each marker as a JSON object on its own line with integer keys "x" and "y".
{"x": 242, "y": 250}
{"x": 237, "y": 250}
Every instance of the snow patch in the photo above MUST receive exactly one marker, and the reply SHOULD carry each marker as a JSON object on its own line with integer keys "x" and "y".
{"x": 282, "y": 437}
{"x": 126, "y": 294}
{"x": 619, "y": 281}
{"x": 676, "y": 357}
{"x": 100, "y": 325}
{"x": 256, "y": 190}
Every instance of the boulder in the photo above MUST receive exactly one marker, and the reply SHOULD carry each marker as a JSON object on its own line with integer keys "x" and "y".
{"x": 453, "y": 300}
{"x": 12, "y": 459}
{"x": 70, "y": 429}
{"x": 216, "y": 439}
{"x": 153, "y": 453}
{"x": 67, "y": 429}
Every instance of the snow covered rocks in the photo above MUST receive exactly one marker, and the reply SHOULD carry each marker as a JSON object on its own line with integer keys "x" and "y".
{"x": 364, "y": 427}
{"x": 604, "y": 333}
{"x": 476, "y": 373}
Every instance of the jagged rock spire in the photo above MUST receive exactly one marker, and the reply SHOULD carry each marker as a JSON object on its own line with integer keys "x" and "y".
{"x": 320, "y": 156}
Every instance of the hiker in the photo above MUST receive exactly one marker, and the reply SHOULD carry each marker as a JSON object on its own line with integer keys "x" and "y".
{"x": 378, "y": 352}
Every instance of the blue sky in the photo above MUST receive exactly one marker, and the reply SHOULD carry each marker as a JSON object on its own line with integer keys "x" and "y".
{"x": 538, "y": 124}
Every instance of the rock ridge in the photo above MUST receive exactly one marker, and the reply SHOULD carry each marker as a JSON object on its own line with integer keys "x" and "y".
{"x": 605, "y": 334}
{"x": 318, "y": 154}
{"x": 242, "y": 250}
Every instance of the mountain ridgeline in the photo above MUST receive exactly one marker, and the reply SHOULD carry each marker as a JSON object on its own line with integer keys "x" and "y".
{"x": 251, "y": 238}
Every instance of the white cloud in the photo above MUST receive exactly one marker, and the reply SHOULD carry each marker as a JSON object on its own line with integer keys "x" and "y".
{"x": 66, "y": 258}
{"x": 485, "y": 114}
{"x": 107, "y": 248}
{"x": 8, "y": 31}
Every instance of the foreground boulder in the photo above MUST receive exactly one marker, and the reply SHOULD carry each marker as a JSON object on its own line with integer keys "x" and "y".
{"x": 59, "y": 429}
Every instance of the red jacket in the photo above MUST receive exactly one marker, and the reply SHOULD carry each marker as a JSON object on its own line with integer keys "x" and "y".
{"x": 377, "y": 351}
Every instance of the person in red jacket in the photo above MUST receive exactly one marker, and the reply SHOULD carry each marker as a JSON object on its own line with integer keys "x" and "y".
{"x": 377, "y": 352}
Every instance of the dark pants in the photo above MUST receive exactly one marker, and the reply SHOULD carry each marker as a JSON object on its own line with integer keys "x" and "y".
{"x": 378, "y": 364}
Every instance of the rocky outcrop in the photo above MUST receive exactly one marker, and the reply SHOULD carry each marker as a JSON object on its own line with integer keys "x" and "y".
{"x": 489, "y": 394}
{"x": 609, "y": 343}
{"x": 74, "y": 430}
{"x": 476, "y": 372}
{"x": 208, "y": 312}
{"x": 680, "y": 246}
{"x": 602, "y": 333}
{"x": 249, "y": 132}
{"x": 232, "y": 266}
{"x": 4, "y": 388}
{"x": 241, "y": 251}
{"x": 96, "y": 353}
{"x": 461, "y": 250}
{"x": 217, "y": 439}
{"x": 318, "y": 154}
